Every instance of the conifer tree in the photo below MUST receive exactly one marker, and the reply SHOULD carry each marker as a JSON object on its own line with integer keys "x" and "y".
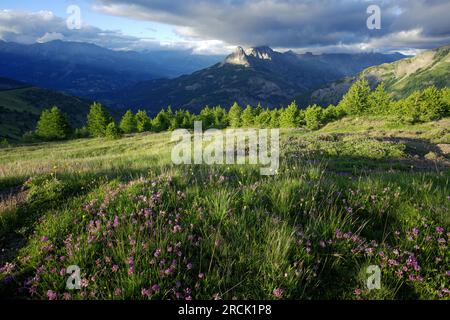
{"x": 379, "y": 100}
{"x": 53, "y": 125}
{"x": 314, "y": 117}
{"x": 289, "y": 116}
{"x": 247, "y": 119}
{"x": 98, "y": 119}
{"x": 263, "y": 119}
{"x": 161, "y": 122}
{"x": 234, "y": 116}
{"x": 112, "y": 131}
{"x": 143, "y": 121}
{"x": 128, "y": 123}
{"x": 356, "y": 100}
{"x": 275, "y": 118}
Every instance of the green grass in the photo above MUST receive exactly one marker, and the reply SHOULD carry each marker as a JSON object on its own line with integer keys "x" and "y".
{"x": 359, "y": 192}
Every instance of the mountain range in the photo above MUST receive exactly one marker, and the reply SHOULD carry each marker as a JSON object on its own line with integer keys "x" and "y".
{"x": 85, "y": 69}
{"x": 36, "y": 77}
{"x": 255, "y": 75}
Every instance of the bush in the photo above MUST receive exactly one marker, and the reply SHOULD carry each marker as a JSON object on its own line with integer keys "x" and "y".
{"x": 112, "y": 131}
{"x": 30, "y": 137}
{"x": 81, "y": 133}
{"x": 4, "y": 143}
{"x": 44, "y": 189}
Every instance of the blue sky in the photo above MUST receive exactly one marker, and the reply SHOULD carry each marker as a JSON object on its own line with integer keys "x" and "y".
{"x": 216, "y": 26}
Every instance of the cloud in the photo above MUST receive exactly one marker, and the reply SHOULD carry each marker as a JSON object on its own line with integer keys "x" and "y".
{"x": 43, "y": 26}
{"x": 294, "y": 23}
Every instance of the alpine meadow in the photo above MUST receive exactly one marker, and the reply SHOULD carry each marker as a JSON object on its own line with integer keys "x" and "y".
{"x": 351, "y": 116}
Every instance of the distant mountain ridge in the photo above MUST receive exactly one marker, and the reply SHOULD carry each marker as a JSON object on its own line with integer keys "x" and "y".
{"x": 258, "y": 74}
{"x": 85, "y": 69}
{"x": 401, "y": 77}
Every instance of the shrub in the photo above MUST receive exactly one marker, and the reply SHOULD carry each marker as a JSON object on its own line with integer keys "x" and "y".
{"x": 112, "y": 131}
{"x": 81, "y": 133}
{"x": 4, "y": 143}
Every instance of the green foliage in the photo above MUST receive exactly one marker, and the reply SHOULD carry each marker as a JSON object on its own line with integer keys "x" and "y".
{"x": 220, "y": 117}
{"x": 234, "y": 115}
{"x": 98, "y": 119}
{"x": 422, "y": 106}
{"x": 289, "y": 117}
{"x": 275, "y": 118}
{"x": 356, "y": 100}
{"x": 314, "y": 117}
{"x": 207, "y": 117}
{"x": 4, "y": 143}
{"x": 81, "y": 133}
{"x": 128, "y": 124}
{"x": 143, "y": 121}
{"x": 380, "y": 101}
{"x": 263, "y": 119}
{"x": 112, "y": 131}
{"x": 53, "y": 125}
{"x": 247, "y": 117}
{"x": 44, "y": 189}
{"x": 162, "y": 121}
{"x": 30, "y": 137}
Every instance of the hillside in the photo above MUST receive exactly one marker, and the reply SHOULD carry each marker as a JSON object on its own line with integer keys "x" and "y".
{"x": 400, "y": 77}
{"x": 250, "y": 76}
{"x": 21, "y": 104}
{"x": 361, "y": 191}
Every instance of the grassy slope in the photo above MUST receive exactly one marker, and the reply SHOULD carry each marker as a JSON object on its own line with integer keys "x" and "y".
{"x": 407, "y": 75}
{"x": 102, "y": 204}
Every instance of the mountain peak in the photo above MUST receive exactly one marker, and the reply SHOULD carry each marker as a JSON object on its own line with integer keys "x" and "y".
{"x": 241, "y": 56}
{"x": 262, "y": 53}
{"x": 238, "y": 57}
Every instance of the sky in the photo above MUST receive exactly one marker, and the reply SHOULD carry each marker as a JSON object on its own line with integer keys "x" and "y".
{"x": 218, "y": 26}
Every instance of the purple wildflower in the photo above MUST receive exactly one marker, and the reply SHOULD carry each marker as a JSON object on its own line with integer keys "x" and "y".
{"x": 278, "y": 292}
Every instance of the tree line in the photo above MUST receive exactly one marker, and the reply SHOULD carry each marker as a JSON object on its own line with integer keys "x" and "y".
{"x": 420, "y": 106}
